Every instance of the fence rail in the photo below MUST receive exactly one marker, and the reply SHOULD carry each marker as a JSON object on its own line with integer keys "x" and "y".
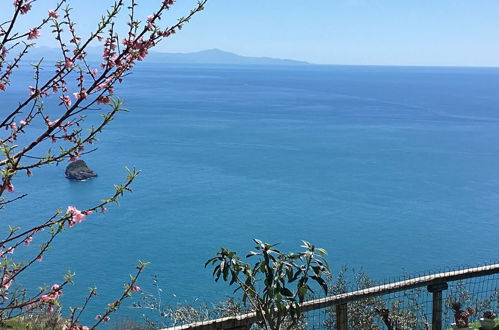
{"x": 435, "y": 283}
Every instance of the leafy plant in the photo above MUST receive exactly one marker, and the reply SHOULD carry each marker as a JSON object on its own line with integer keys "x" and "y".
{"x": 276, "y": 283}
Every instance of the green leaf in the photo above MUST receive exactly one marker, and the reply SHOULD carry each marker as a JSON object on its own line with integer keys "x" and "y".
{"x": 286, "y": 292}
{"x": 252, "y": 253}
{"x": 302, "y": 291}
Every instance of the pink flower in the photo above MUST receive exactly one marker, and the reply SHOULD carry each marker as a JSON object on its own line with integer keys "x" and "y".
{"x": 10, "y": 188}
{"x": 74, "y": 158}
{"x": 24, "y": 9}
{"x": 49, "y": 122}
{"x": 28, "y": 172}
{"x": 6, "y": 284}
{"x": 135, "y": 288}
{"x": 39, "y": 258}
{"x": 32, "y": 90}
{"x": 34, "y": 33}
{"x": 102, "y": 86}
{"x": 66, "y": 100}
{"x": 22, "y": 123}
{"x": 68, "y": 64}
{"x": 56, "y": 291}
{"x": 28, "y": 240}
{"x": 76, "y": 216}
{"x": 2, "y": 86}
{"x": 103, "y": 100}
{"x": 80, "y": 95}
{"x": 13, "y": 126}
{"x": 53, "y": 14}
{"x": 95, "y": 72}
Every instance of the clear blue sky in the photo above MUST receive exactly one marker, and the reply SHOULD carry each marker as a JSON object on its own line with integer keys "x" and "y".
{"x": 386, "y": 32}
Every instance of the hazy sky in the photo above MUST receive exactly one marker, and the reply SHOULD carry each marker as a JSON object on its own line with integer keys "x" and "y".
{"x": 388, "y": 32}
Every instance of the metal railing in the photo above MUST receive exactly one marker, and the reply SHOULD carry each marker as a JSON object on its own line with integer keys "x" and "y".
{"x": 436, "y": 284}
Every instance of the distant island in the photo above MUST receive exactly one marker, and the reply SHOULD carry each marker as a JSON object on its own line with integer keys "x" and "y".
{"x": 217, "y": 56}
{"x": 211, "y": 56}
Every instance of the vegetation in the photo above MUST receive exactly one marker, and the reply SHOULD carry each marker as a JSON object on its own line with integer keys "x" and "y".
{"x": 48, "y": 125}
{"x": 267, "y": 285}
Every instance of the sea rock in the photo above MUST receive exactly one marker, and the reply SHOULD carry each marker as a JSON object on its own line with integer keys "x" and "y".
{"x": 79, "y": 170}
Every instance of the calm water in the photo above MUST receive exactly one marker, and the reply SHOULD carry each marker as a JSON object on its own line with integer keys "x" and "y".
{"x": 386, "y": 168}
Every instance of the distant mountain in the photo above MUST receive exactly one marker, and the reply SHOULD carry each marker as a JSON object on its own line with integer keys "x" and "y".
{"x": 211, "y": 56}
{"x": 217, "y": 56}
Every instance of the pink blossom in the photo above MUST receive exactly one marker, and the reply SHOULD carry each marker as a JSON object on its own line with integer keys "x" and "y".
{"x": 135, "y": 288}
{"x": 6, "y": 284}
{"x": 28, "y": 240}
{"x": 95, "y": 72}
{"x": 10, "y": 250}
{"x": 104, "y": 319}
{"x": 53, "y": 13}
{"x": 34, "y": 33}
{"x": 13, "y": 126}
{"x": 39, "y": 258}
{"x": 2, "y": 86}
{"x": 10, "y": 188}
{"x": 32, "y": 90}
{"x": 50, "y": 123}
{"x": 24, "y": 9}
{"x": 68, "y": 63}
{"x": 99, "y": 38}
{"x": 80, "y": 95}
{"x": 74, "y": 157}
{"x": 28, "y": 172}
{"x": 76, "y": 216}
{"x": 102, "y": 86}
{"x": 103, "y": 100}
{"x": 66, "y": 100}
{"x": 22, "y": 123}
{"x": 56, "y": 291}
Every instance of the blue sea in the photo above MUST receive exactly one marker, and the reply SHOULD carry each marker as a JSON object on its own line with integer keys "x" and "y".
{"x": 390, "y": 169}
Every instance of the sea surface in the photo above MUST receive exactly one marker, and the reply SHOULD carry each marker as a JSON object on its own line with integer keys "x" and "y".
{"x": 390, "y": 169}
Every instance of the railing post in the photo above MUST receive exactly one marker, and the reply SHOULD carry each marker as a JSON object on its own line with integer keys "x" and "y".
{"x": 436, "y": 311}
{"x": 341, "y": 317}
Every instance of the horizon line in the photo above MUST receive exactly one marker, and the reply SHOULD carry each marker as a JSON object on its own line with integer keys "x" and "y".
{"x": 304, "y": 62}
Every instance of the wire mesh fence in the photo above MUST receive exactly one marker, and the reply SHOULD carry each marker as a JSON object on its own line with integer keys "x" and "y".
{"x": 407, "y": 302}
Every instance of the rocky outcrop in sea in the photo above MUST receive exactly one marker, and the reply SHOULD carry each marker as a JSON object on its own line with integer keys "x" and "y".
{"x": 78, "y": 170}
